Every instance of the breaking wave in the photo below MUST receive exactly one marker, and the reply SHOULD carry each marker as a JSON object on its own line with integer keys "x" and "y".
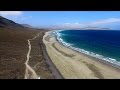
{"x": 112, "y": 61}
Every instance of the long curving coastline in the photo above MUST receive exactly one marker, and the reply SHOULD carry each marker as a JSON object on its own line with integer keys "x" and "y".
{"x": 74, "y": 65}
{"x": 107, "y": 60}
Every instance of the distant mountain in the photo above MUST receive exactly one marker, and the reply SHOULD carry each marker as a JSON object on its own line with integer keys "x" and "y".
{"x": 96, "y": 28}
{"x": 27, "y": 25}
{"x": 4, "y": 22}
{"x": 115, "y": 26}
{"x": 80, "y": 28}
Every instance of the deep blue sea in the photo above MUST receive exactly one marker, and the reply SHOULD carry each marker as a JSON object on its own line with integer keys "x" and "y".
{"x": 102, "y": 44}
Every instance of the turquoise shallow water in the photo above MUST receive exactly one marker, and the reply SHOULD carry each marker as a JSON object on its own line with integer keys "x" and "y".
{"x": 102, "y": 44}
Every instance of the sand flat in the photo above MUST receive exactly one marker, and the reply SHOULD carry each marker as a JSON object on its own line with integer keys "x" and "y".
{"x": 74, "y": 65}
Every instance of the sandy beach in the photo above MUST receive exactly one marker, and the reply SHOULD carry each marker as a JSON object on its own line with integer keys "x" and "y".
{"x": 74, "y": 65}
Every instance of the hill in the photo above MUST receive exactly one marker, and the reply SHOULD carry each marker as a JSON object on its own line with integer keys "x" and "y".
{"x": 14, "y": 48}
{"x": 8, "y": 23}
{"x": 27, "y": 25}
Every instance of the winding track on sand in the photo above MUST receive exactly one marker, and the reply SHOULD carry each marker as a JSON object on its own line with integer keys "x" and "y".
{"x": 28, "y": 68}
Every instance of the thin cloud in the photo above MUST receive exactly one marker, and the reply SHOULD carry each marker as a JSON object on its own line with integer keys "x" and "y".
{"x": 11, "y": 13}
{"x": 95, "y": 23}
{"x": 107, "y": 21}
{"x": 16, "y": 16}
{"x": 23, "y": 18}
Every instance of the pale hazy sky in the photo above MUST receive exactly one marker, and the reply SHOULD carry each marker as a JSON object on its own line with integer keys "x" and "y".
{"x": 65, "y": 18}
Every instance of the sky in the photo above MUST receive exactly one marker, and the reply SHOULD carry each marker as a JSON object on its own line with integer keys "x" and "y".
{"x": 109, "y": 19}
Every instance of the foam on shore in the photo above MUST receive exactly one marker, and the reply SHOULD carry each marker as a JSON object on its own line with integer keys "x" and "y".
{"x": 112, "y": 61}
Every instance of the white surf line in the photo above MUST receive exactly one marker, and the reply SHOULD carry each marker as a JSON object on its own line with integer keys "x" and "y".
{"x": 28, "y": 68}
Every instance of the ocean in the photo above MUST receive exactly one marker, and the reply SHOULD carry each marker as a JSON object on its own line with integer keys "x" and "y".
{"x": 101, "y": 44}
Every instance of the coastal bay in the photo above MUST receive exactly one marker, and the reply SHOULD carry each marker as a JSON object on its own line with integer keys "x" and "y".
{"x": 75, "y": 65}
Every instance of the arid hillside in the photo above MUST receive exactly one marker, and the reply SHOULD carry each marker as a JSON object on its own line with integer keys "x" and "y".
{"x": 14, "y": 48}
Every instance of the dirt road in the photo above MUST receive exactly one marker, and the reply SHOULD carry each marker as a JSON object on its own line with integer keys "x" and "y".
{"x": 30, "y": 73}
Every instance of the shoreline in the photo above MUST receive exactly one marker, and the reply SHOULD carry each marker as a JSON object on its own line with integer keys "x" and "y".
{"x": 92, "y": 62}
{"x": 52, "y": 67}
{"x": 101, "y": 58}
{"x": 94, "y": 58}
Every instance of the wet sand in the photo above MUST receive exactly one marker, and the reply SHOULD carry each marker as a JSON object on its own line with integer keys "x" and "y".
{"x": 75, "y": 65}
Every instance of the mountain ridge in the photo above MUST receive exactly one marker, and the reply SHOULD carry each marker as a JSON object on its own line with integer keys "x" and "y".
{"x": 4, "y": 22}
